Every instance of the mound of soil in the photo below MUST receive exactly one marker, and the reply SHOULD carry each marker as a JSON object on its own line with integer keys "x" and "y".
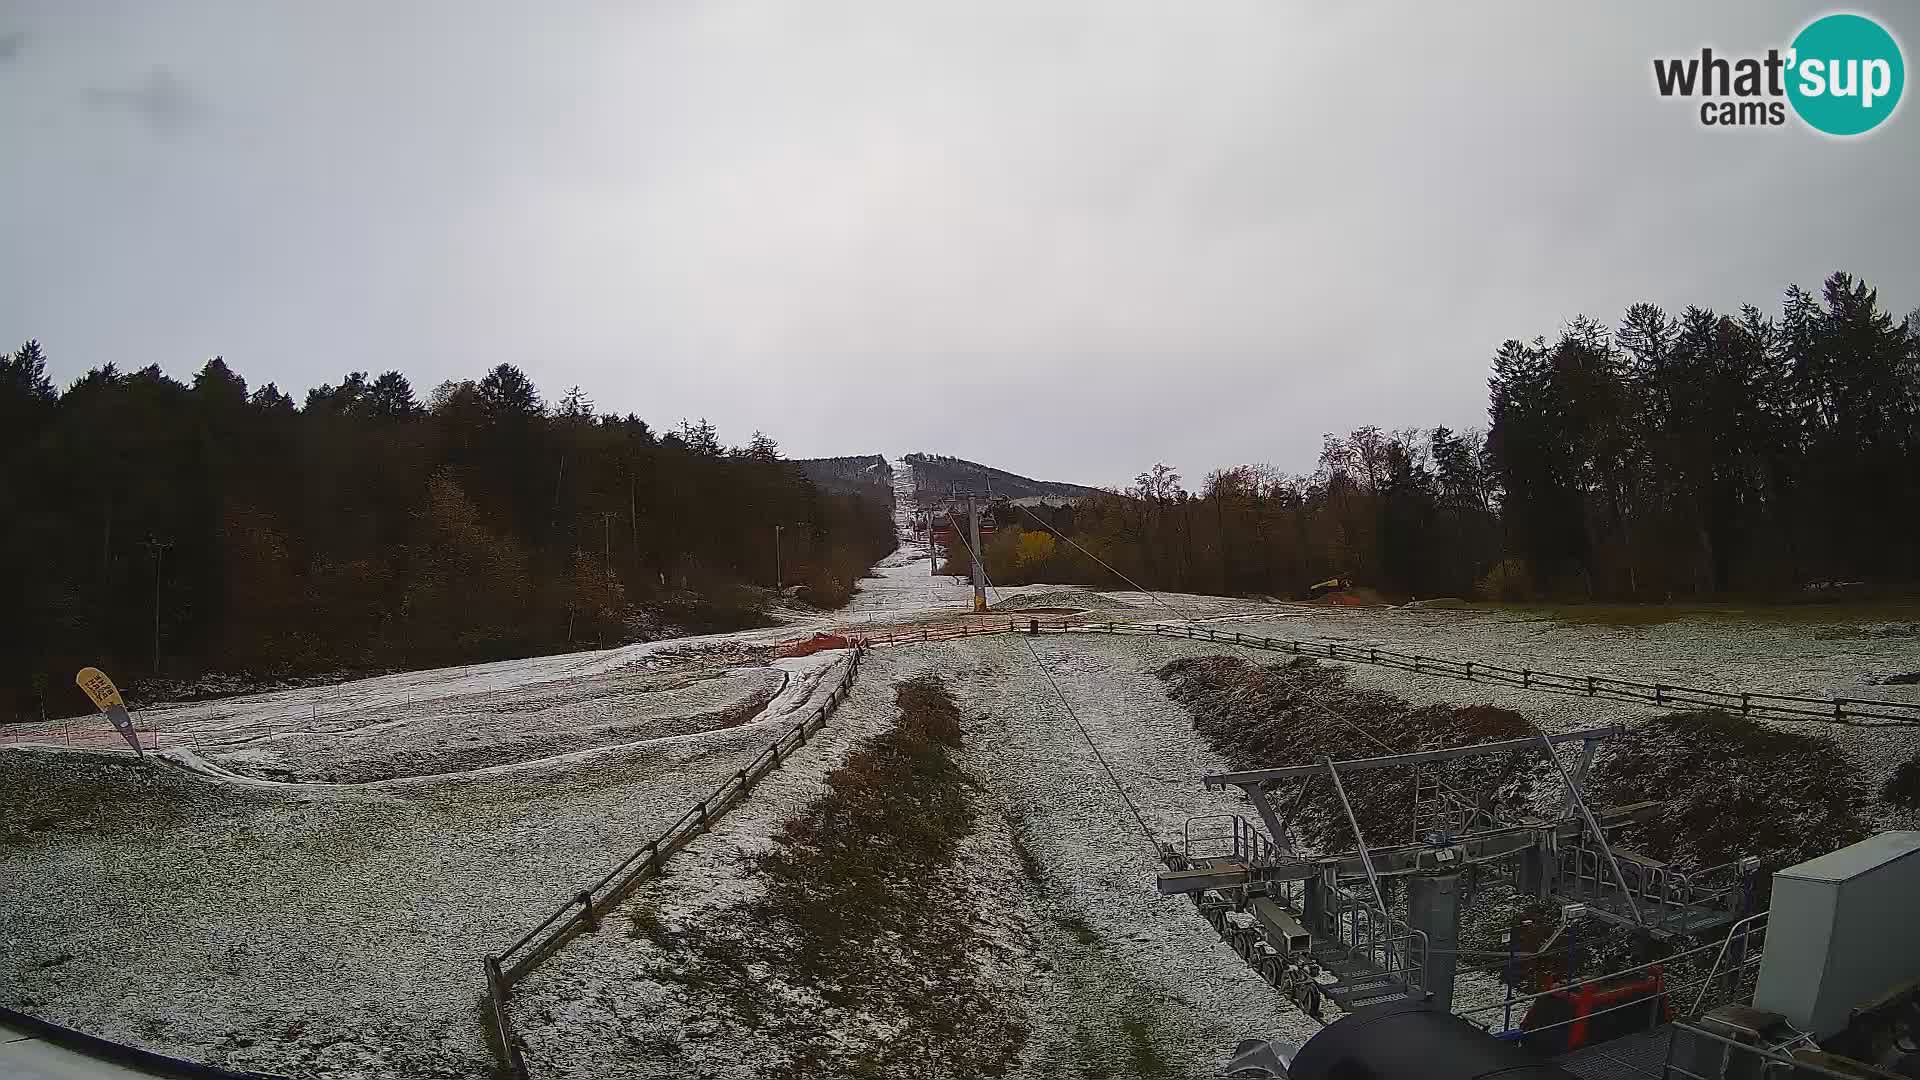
{"x": 1903, "y": 787}
{"x": 1078, "y": 599}
{"x": 1733, "y": 787}
{"x": 1295, "y": 713}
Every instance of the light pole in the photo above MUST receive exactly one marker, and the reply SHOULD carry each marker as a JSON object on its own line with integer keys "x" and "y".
{"x": 606, "y": 565}
{"x": 159, "y": 549}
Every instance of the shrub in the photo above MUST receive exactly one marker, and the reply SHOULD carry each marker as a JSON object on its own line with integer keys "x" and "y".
{"x": 1903, "y": 787}
{"x": 1509, "y": 580}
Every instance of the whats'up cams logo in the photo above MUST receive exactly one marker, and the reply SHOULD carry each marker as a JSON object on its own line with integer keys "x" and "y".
{"x": 1842, "y": 75}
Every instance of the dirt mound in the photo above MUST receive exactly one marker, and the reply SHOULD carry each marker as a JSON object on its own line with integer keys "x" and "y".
{"x": 1062, "y": 598}
{"x": 1903, "y": 787}
{"x": 1733, "y": 787}
{"x": 1296, "y": 712}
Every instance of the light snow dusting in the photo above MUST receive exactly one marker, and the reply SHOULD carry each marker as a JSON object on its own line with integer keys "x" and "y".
{"x": 304, "y": 882}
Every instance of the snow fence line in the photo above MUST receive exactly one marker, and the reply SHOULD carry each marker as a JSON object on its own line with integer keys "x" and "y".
{"x": 583, "y": 913}
{"x": 1852, "y": 712}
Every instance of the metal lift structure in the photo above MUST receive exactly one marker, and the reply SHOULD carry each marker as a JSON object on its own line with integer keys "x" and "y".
{"x": 1320, "y": 926}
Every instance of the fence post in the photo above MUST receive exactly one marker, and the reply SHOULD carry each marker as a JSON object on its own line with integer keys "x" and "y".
{"x": 1838, "y": 718}
{"x": 1033, "y": 627}
{"x": 1589, "y": 686}
{"x": 587, "y": 914}
{"x": 1659, "y": 694}
{"x": 1746, "y": 704}
{"x": 1526, "y": 678}
{"x": 1469, "y": 671}
{"x": 497, "y": 989}
{"x": 702, "y": 804}
{"x": 1373, "y": 654}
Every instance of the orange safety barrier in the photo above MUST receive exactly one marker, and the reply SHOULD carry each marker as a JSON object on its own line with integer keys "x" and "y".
{"x": 1570, "y": 1019}
{"x": 814, "y": 644}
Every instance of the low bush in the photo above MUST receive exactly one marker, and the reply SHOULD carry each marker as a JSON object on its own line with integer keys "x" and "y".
{"x": 1902, "y": 789}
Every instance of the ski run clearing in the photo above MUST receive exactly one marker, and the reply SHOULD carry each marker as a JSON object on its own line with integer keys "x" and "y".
{"x": 305, "y": 884}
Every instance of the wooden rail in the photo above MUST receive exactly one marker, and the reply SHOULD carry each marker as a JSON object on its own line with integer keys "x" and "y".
{"x": 1856, "y": 712}
{"x": 583, "y": 912}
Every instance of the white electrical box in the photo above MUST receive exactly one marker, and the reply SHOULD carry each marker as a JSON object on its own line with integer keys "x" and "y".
{"x": 1844, "y": 928}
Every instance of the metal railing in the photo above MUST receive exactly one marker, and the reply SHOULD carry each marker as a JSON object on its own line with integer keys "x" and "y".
{"x": 583, "y": 912}
{"x": 1668, "y": 891}
{"x": 1759, "y": 1061}
{"x": 1370, "y": 935}
{"x": 1858, "y": 712}
{"x": 1744, "y": 943}
{"x": 1238, "y": 839}
{"x": 1736, "y": 956}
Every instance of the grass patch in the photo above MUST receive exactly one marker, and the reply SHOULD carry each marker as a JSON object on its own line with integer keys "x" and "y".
{"x": 844, "y": 872}
{"x": 861, "y": 927}
{"x": 1078, "y": 928}
{"x": 1143, "y": 1053}
{"x": 646, "y": 924}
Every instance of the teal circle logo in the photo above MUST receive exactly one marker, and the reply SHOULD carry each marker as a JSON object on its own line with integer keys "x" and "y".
{"x": 1846, "y": 74}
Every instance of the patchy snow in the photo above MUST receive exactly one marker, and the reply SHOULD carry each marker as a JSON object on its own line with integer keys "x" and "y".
{"x": 324, "y": 930}
{"x": 306, "y": 880}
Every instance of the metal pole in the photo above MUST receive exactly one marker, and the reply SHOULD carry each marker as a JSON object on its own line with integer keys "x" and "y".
{"x": 1506, "y": 1022}
{"x": 779, "y": 576}
{"x": 1599, "y": 837}
{"x": 979, "y": 572}
{"x": 159, "y": 549}
{"x": 1366, "y": 860}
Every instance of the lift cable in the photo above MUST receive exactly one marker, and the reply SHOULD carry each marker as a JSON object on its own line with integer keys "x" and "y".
{"x": 1191, "y": 621}
{"x": 1145, "y": 830}
{"x": 1553, "y": 755}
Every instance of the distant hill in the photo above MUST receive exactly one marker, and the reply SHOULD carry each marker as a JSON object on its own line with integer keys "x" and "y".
{"x": 936, "y": 474}
{"x": 867, "y": 474}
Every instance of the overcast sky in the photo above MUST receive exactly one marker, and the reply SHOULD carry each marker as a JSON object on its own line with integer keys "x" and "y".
{"x": 1069, "y": 239}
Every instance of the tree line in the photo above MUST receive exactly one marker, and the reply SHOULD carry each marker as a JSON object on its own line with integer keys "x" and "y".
{"x": 1693, "y": 456}
{"x": 165, "y": 529}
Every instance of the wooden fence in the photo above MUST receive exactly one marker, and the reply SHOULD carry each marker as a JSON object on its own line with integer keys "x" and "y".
{"x": 582, "y": 913}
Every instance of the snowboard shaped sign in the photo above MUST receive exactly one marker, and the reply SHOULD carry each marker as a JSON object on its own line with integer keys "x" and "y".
{"x": 106, "y": 698}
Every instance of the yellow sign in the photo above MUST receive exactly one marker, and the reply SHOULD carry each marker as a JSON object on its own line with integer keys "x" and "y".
{"x": 105, "y": 695}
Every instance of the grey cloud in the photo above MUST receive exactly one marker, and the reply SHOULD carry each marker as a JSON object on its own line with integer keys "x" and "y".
{"x": 162, "y": 101}
{"x": 1070, "y": 239}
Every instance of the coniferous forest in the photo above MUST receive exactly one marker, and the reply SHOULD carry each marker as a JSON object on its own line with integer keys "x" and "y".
{"x": 163, "y": 530}
{"x": 1701, "y": 455}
